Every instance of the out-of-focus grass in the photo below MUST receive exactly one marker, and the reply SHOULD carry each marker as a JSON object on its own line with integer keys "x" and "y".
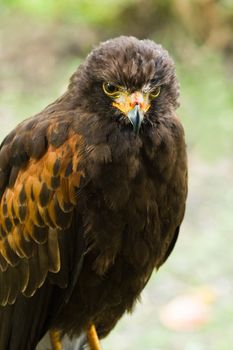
{"x": 85, "y": 11}
{"x": 207, "y": 105}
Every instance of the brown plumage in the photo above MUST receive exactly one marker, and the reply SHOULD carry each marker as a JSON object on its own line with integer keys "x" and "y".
{"x": 93, "y": 193}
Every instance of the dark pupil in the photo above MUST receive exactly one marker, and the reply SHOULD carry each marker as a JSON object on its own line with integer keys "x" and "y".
{"x": 111, "y": 88}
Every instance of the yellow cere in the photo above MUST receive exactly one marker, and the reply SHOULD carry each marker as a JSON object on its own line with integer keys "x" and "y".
{"x": 126, "y": 101}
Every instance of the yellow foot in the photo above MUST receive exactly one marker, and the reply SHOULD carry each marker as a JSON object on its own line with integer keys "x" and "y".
{"x": 92, "y": 338}
{"x": 55, "y": 339}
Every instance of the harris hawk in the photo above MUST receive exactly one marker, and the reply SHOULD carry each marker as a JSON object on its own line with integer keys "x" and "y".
{"x": 93, "y": 192}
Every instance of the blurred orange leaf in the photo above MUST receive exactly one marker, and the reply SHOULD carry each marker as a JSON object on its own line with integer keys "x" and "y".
{"x": 189, "y": 311}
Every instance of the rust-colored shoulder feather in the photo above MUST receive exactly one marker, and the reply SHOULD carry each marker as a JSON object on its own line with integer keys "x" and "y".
{"x": 35, "y": 205}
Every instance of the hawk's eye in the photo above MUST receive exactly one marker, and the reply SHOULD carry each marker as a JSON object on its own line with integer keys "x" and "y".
{"x": 110, "y": 89}
{"x": 155, "y": 92}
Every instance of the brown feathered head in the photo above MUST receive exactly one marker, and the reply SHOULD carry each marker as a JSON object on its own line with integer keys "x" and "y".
{"x": 132, "y": 81}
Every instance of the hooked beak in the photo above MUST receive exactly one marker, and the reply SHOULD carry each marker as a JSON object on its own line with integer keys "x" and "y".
{"x": 136, "y": 116}
{"x": 134, "y": 106}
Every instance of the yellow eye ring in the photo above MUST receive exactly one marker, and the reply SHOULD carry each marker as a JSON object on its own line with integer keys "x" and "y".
{"x": 155, "y": 93}
{"x": 111, "y": 89}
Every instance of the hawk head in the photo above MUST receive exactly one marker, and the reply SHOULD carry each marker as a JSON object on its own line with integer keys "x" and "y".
{"x": 131, "y": 80}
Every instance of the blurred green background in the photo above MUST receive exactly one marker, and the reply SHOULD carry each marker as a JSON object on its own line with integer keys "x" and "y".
{"x": 41, "y": 44}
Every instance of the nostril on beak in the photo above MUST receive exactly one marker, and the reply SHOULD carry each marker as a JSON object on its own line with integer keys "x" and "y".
{"x": 135, "y": 103}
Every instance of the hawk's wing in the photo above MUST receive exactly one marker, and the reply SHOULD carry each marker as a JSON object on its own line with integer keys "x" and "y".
{"x": 39, "y": 177}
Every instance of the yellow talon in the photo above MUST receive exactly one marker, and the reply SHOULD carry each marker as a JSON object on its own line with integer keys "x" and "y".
{"x": 92, "y": 338}
{"x": 55, "y": 338}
